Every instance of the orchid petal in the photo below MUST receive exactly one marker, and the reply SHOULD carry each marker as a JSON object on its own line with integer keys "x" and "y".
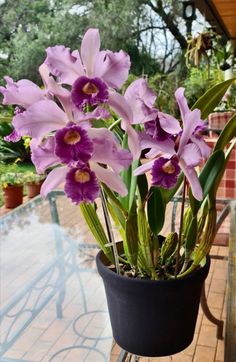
{"x": 182, "y": 102}
{"x": 39, "y": 119}
{"x": 191, "y": 155}
{"x": 89, "y": 50}
{"x": 189, "y": 127}
{"x": 192, "y": 177}
{"x": 12, "y": 137}
{"x": 63, "y": 64}
{"x": 169, "y": 123}
{"x": 42, "y": 155}
{"x": 202, "y": 145}
{"x": 147, "y": 166}
{"x": 109, "y": 178}
{"x": 133, "y": 140}
{"x": 153, "y": 153}
{"x": 167, "y": 146}
{"x": 22, "y": 93}
{"x": 119, "y": 104}
{"x": 115, "y": 156}
{"x": 113, "y": 68}
{"x": 141, "y": 99}
{"x": 57, "y": 90}
{"x": 85, "y": 120}
{"x": 55, "y": 178}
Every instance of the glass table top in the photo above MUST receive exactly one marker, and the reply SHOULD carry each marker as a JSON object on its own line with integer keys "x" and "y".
{"x": 53, "y": 305}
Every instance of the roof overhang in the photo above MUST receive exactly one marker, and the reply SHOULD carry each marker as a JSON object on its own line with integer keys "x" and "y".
{"x": 221, "y": 14}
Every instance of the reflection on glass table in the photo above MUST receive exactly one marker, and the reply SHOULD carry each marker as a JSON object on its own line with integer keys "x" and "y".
{"x": 53, "y": 305}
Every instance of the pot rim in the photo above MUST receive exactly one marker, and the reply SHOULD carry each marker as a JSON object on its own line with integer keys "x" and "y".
{"x": 104, "y": 270}
{"x": 13, "y": 186}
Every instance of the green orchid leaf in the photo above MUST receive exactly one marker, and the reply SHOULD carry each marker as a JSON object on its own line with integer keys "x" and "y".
{"x": 192, "y": 235}
{"x": 144, "y": 240}
{"x": 208, "y": 178}
{"x": 130, "y": 242}
{"x": 131, "y": 183}
{"x": 117, "y": 217}
{"x": 156, "y": 208}
{"x": 129, "y": 179}
{"x": 142, "y": 186}
{"x": 212, "y": 97}
{"x": 96, "y": 228}
{"x": 110, "y": 194}
{"x": 227, "y": 134}
{"x": 221, "y": 173}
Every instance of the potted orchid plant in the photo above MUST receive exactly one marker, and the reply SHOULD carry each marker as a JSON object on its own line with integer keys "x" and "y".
{"x": 122, "y": 150}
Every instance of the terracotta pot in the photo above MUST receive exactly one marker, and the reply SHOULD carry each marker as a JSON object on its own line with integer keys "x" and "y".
{"x": 33, "y": 189}
{"x": 152, "y": 318}
{"x": 13, "y": 196}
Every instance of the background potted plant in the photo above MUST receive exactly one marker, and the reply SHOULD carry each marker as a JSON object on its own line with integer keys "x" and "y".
{"x": 93, "y": 137}
{"x": 33, "y": 182}
{"x": 11, "y": 181}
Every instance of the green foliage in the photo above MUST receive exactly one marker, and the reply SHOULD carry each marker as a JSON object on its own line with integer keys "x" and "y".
{"x": 12, "y": 151}
{"x": 10, "y": 175}
{"x": 212, "y": 97}
{"x": 156, "y": 208}
{"x": 33, "y": 178}
{"x": 90, "y": 216}
{"x": 198, "y": 81}
{"x": 165, "y": 85}
{"x": 28, "y": 27}
{"x": 208, "y": 178}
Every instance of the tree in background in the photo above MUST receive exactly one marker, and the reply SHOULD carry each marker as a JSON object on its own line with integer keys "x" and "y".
{"x": 153, "y": 32}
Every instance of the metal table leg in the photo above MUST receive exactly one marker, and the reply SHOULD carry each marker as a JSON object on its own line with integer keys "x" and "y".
{"x": 219, "y": 323}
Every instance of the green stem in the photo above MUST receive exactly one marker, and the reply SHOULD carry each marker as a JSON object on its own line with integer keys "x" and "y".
{"x": 113, "y": 125}
{"x": 180, "y": 228}
{"x": 109, "y": 231}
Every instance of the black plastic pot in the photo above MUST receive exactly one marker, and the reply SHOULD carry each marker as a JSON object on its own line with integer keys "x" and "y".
{"x": 152, "y": 318}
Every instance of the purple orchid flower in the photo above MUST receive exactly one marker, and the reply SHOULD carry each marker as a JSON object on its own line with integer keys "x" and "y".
{"x": 39, "y": 119}
{"x": 81, "y": 185}
{"x": 140, "y": 99}
{"x": 91, "y": 72}
{"x": 165, "y": 172}
{"x": 136, "y": 107}
{"x": 83, "y": 152}
{"x": 43, "y": 154}
{"x": 22, "y": 93}
{"x": 182, "y": 152}
{"x": 162, "y": 127}
{"x": 12, "y": 137}
{"x": 73, "y": 145}
{"x": 46, "y": 116}
{"x": 30, "y": 99}
{"x": 192, "y": 131}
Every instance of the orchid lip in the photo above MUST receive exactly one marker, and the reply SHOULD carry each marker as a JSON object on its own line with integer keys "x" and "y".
{"x": 72, "y": 137}
{"x": 90, "y": 88}
{"x": 89, "y": 91}
{"x": 81, "y": 176}
{"x": 168, "y": 167}
{"x": 73, "y": 145}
